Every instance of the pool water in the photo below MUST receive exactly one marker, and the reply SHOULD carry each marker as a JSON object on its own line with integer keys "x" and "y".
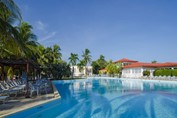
{"x": 109, "y": 98}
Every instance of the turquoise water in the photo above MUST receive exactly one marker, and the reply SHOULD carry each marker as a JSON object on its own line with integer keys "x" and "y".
{"x": 109, "y": 98}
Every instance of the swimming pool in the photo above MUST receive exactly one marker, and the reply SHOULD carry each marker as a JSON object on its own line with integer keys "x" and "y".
{"x": 108, "y": 98}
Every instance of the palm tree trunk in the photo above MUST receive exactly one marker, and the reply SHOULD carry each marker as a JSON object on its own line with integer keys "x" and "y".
{"x": 86, "y": 71}
{"x": 73, "y": 73}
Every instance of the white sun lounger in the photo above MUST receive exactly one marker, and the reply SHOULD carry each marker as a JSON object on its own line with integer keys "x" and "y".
{"x": 3, "y": 99}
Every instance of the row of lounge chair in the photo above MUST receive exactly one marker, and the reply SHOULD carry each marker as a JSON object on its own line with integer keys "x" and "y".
{"x": 161, "y": 77}
{"x": 11, "y": 88}
{"x": 15, "y": 87}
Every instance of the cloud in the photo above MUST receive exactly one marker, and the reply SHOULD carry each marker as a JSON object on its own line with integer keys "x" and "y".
{"x": 45, "y": 36}
{"x": 40, "y": 26}
{"x": 48, "y": 36}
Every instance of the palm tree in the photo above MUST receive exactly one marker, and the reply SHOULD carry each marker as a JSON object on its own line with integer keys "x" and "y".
{"x": 73, "y": 61}
{"x": 80, "y": 65}
{"x": 52, "y": 55}
{"x": 56, "y": 53}
{"x": 87, "y": 59}
{"x": 49, "y": 55}
{"x": 9, "y": 5}
{"x": 9, "y": 14}
{"x": 102, "y": 62}
{"x": 42, "y": 58}
{"x": 154, "y": 61}
{"x": 29, "y": 44}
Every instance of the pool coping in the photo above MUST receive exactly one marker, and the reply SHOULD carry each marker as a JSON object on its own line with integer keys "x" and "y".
{"x": 28, "y": 106}
{"x": 137, "y": 79}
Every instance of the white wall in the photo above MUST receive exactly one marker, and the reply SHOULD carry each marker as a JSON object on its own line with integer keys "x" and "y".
{"x": 136, "y": 72}
{"x": 83, "y": 72}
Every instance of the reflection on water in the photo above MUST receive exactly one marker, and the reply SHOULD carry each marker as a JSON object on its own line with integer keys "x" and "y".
{"x": 112, "y": 98}
{"x": 117, "y": 98}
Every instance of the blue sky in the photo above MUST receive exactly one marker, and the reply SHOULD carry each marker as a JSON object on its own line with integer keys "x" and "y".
{"x": 142, "y": 30}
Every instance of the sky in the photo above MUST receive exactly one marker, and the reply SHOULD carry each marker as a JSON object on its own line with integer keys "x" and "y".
{"x": 143, "y": 30}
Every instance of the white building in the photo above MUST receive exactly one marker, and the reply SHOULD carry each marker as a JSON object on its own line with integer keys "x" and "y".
{"x": 135, "y": 70}
{"x": 125, "y": 61}
{"x": 78, "y": 73}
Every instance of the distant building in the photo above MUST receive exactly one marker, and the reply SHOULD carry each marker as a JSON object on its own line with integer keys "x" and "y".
{"x": 80, "y": 73}
{"x": 135, "y": 70}
{"x": 125, "y": 61}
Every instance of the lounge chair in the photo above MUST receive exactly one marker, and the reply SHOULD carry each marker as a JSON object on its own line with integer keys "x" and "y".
{"x": 40, "y": 86}
{"x": 8, "y": 89}
{"x": 3, "y": 99}
{"x": 33, "y": 89}
{"x": 4, "y": 92}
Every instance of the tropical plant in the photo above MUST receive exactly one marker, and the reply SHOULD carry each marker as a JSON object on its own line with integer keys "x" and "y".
{"x": 56, "y": 71}
{"x": 73, "y": 61}
{"x": 81, "y": 65}
{"x": 49, "y": 55}
{"x": 18, "y": 41}
{"x": 42, "y": 59}
{"x": 87, "y": 59}
{"x": 146, "y": 73}
{"x": 165, "y": 72}
{"x": 99, "y": 64}
{"x": 96, "y": 67}
{"x": 29, "y": 48}
{"x": 9, "y": 35}
{"x": 51, "y": 62}
{"x": 154, "y": 61}
{"x": 112, "y": 69}
{"x": 174, "y": 72}
{"x": 102, "y": 62}
{"x": 56, "y": 53}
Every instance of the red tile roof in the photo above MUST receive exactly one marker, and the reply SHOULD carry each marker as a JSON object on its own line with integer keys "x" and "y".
{"x": 125, "y": 60}
{"x": 151, "y": 65}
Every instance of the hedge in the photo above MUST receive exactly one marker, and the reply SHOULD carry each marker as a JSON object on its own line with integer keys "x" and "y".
{"x": 165, "y": 72}
{"x": 174, "y": 72}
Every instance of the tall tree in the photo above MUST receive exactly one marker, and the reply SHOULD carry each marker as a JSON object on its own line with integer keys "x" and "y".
{"x": 29, "y": 48}
{"x": 100, "y": 63}
{"x": 81, "y": 65}
{"x": 154, "y": 61}
{"x": 87, "y": 58}
{"x": 73, "y": 61}
{"x": 95, "y": 67}
{"x": 112, "y": 69}
{"x": 50, "y": 55}
{"x": 56, "y": 53}
{"x": 41, "y": 59}
{"x": 9, "y": 35}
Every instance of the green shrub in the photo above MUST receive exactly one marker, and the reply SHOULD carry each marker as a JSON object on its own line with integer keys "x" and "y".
{"x": 146, "y": 73}
{"x": 174, "y": 72}
{"x": 158, "y": 72}
{"x": 165, "y": 72}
